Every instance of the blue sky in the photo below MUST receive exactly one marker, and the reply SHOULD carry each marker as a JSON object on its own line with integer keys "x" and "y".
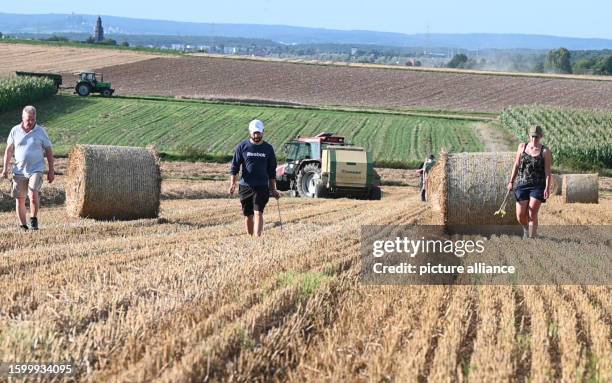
{"x": 586, "y": 18}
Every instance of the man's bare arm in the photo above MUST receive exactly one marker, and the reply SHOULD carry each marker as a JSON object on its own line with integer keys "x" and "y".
{"x": 51, "y": 162}
{"x": 272, "y": 186}
{"x": 8, "y": 154}
{"x": 233, "y": 180}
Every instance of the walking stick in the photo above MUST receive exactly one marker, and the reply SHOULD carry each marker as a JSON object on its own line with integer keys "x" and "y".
{"x": 280, "y": 220}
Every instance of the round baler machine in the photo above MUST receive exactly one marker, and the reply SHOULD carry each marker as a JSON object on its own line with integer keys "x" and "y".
{"x": 325, "y": 166}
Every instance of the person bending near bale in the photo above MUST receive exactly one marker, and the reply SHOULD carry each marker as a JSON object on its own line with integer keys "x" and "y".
{"x": 423, "y": 172}
{"x": 30, "y": 144}
{"x": 532, "y": 164}
{"x": 256, "y": 160}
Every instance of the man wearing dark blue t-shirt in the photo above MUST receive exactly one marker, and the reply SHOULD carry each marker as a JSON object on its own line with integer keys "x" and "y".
{"x": 256, "y": 161}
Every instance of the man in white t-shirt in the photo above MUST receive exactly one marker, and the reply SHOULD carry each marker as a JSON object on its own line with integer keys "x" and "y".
{"x": 29, "y": 144}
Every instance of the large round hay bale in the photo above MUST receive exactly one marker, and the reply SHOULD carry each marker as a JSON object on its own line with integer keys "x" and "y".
{"x": 556, "y": 184}
{"x": 468, "y": 188}
{"x": 580, "y": 188}
{"x": 113, "y": 182}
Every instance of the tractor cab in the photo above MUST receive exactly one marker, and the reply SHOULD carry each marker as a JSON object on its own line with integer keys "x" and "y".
{"x": 297, "y": 151}
{"x": 88, "y": 77}
{"x": 310, "y": 148}
{"x": 88, "y": 83}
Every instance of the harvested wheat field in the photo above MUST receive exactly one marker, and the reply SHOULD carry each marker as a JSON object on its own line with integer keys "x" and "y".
{"x": 189, "y": 297}
{"x": 41, "y": 58}
{"x": 278, "y": 82}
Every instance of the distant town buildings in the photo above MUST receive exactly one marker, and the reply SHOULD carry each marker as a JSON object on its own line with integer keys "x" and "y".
{"x": 99, "y": 31}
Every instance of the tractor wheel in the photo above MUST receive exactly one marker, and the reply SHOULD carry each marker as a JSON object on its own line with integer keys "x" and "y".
{"x": 107, "y": 93}
{"x": 308, "y": 179}
{"x": 321, "y": 191}
{"x": 375, "y": 193}
{"x": 83, "y": 89}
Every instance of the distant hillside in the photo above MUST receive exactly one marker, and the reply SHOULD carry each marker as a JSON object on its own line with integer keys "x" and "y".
{"x": 63, "y": 23}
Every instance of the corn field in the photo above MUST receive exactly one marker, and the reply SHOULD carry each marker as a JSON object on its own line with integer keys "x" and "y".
{"x": 17, "y": 92}
{"x": 582, "y": 138}
{"x": 189, "y": 297}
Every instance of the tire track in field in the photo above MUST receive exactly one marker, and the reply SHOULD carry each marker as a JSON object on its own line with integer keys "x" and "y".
{"x": 466, "y": 348}
{"x": 438, "y": 332}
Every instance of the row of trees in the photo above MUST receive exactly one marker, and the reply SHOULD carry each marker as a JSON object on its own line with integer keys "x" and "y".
{"x": 561, "y": 61}
{"x": 598, "y": 65}
{"x": 555, "y": 61}
{"x": 89, "y": 40}
{"x": 92, "y": 40}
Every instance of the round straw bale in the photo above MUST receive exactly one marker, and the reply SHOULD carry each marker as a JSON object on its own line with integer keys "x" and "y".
{"x": 580, "y": 188}
{"x": 556, "y": 185}
{"x": 468, "y": 188}
{"x": 113, "y": 182}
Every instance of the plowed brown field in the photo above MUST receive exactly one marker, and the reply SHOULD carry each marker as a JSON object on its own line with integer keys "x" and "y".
{"x": 307, "y": 84}
{"x": 220, "y": 78}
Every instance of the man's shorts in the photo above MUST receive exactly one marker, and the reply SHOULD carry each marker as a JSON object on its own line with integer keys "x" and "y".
{"x": 253, "y": 198}
{"x": 22, "y": 184}
{"x": 523, "y": 193}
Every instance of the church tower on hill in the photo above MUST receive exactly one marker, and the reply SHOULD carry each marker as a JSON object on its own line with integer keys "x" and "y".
{"x": 99, "y": 31}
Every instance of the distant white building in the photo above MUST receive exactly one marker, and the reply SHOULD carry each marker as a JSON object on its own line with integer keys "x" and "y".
{"x": 353, "y": 51}
{"x": 230, "y": 50}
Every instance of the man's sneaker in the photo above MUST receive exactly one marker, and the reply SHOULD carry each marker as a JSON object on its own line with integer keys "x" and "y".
{"x": 24, "y": 227}
{"x": 34, "y": 223}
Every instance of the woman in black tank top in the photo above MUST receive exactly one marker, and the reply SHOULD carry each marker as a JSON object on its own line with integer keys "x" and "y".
{"x": 532, "y": 165}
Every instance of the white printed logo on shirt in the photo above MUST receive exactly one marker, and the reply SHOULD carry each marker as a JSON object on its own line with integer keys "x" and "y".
{"x": 255, "y": 154}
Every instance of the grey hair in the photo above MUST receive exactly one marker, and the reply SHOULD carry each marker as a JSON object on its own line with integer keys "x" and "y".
{"x": 29, "y": 110}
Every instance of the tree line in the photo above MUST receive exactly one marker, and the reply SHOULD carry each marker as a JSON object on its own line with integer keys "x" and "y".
{"x": 555, "y": 61}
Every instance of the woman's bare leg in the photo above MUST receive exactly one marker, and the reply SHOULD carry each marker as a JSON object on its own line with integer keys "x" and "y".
{"x": 534, "y": 208}
{"x": 522, "y": 216}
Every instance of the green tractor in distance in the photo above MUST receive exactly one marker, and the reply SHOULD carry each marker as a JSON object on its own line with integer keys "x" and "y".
{"x": 88, "y": 83}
